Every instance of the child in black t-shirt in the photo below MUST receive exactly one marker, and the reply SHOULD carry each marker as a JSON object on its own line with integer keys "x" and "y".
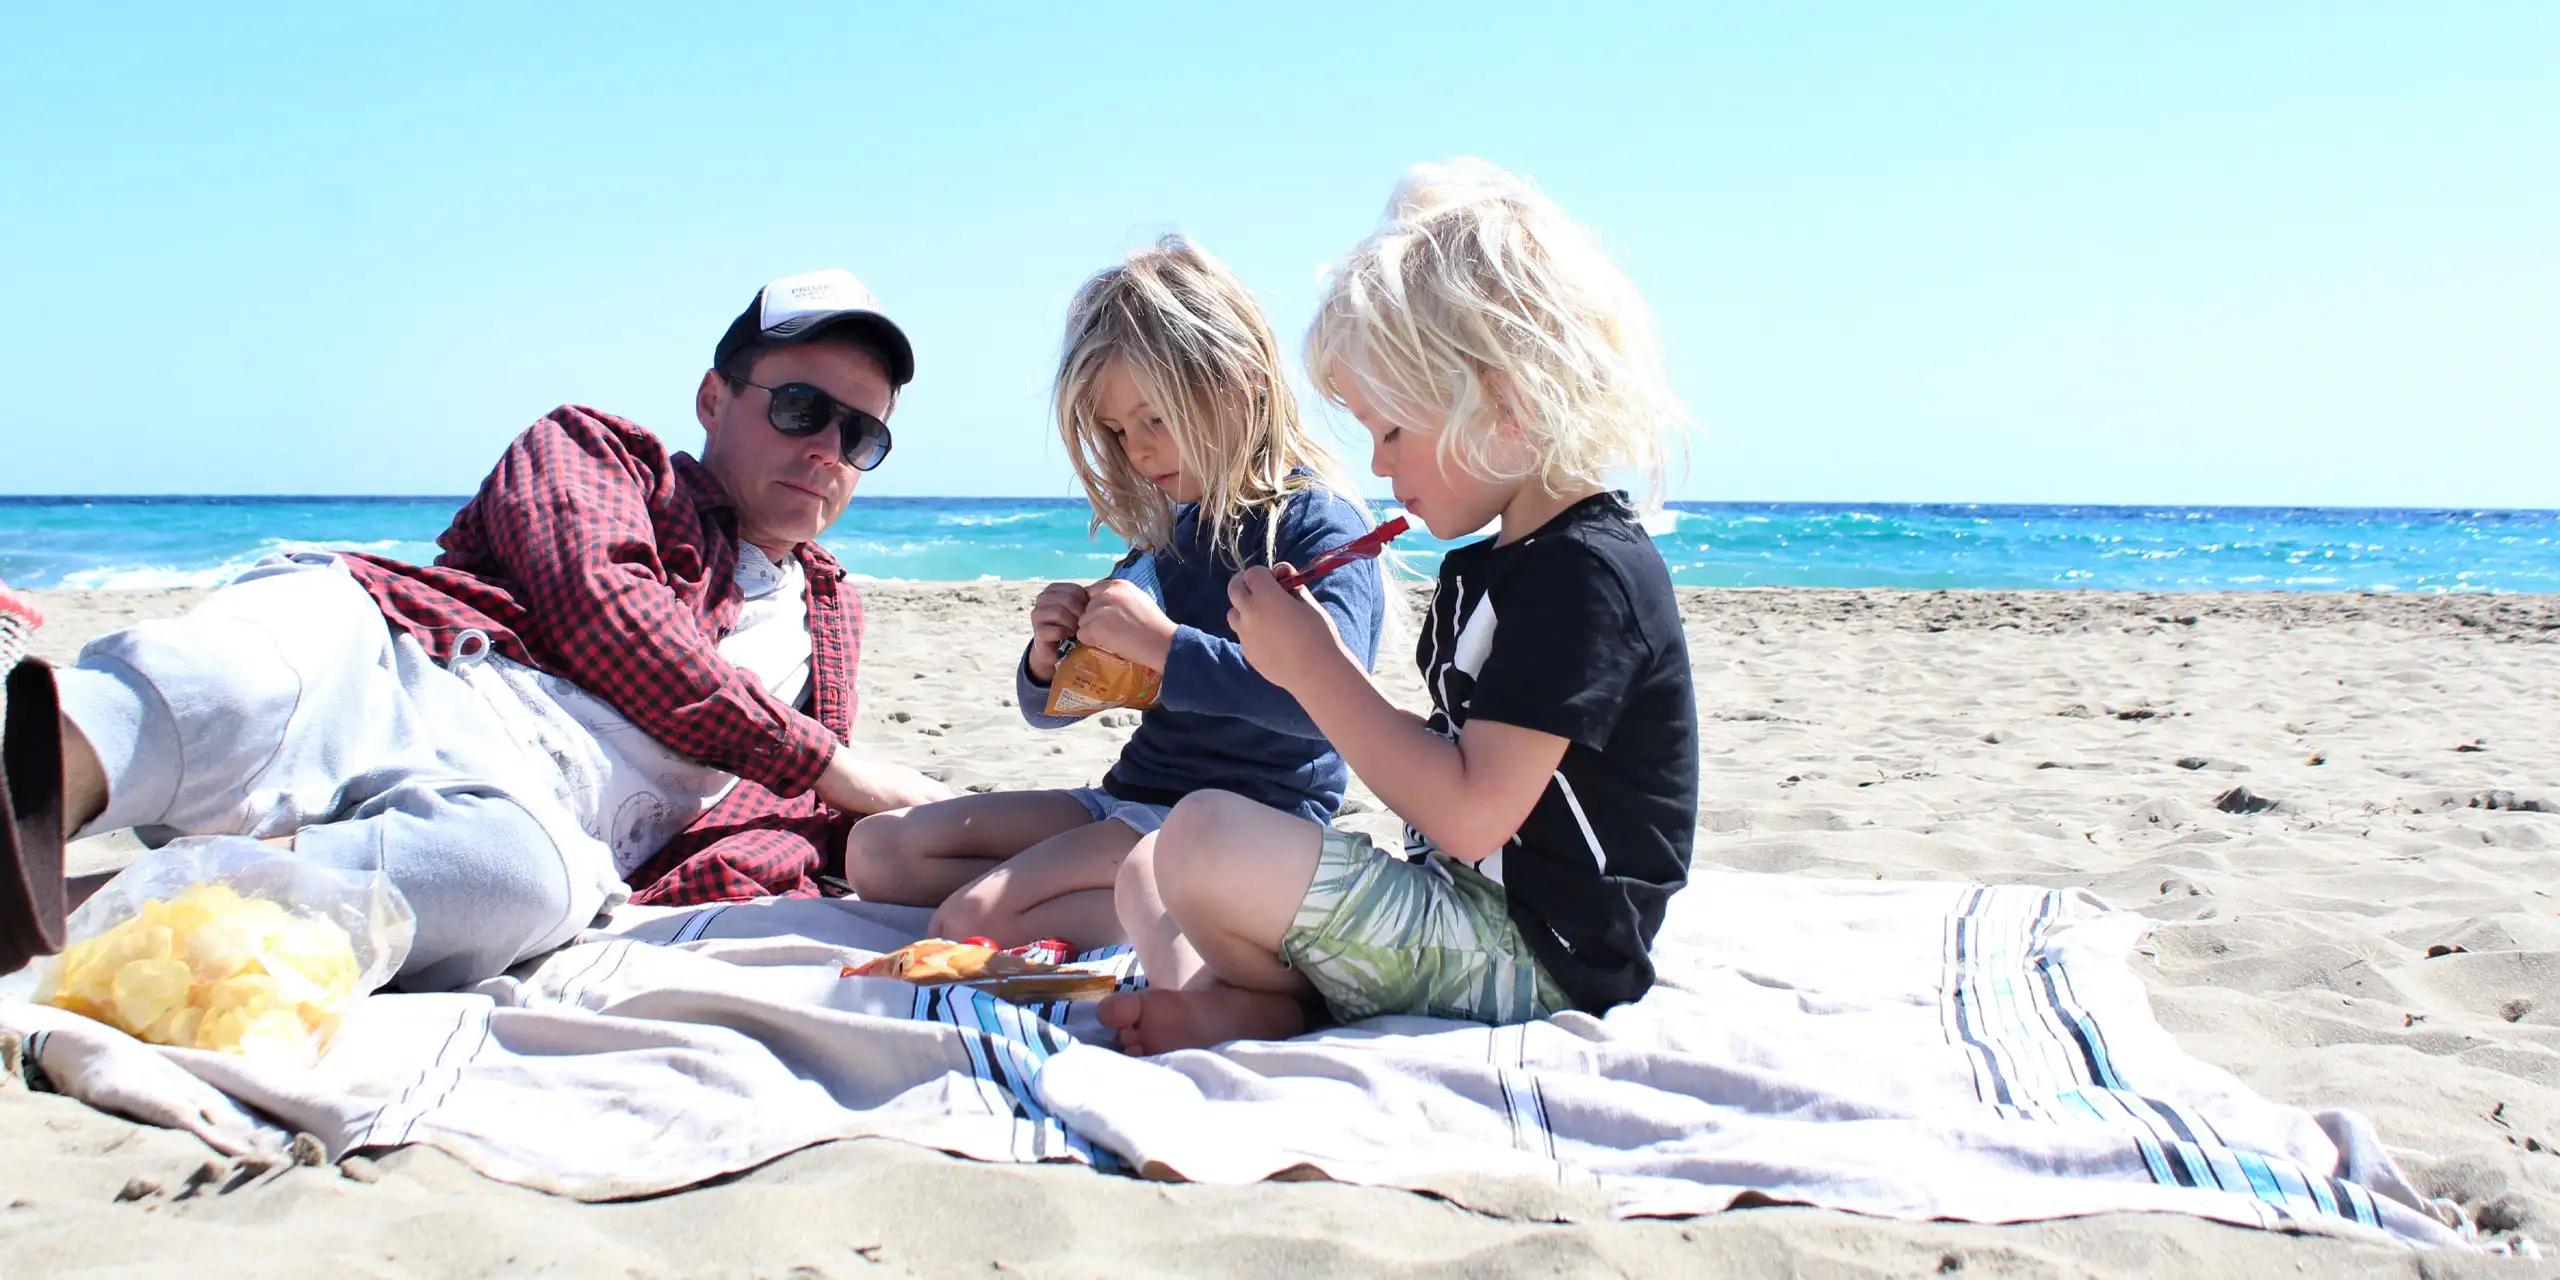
{"x": 1502, "y": 367}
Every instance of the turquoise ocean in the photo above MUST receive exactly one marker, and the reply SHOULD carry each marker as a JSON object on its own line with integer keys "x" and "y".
{"x": 124, "y": 543}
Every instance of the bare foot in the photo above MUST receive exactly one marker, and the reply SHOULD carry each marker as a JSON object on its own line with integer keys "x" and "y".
{"x": 1161, "y": 1021}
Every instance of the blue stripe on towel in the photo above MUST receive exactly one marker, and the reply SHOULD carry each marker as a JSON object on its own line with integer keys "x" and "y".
{"x": 1962, "y": 1002}
{"x": 1008, "y": 1045}
{"x": 2090, "y": 1042}
{"x": 2038, "y": 1054}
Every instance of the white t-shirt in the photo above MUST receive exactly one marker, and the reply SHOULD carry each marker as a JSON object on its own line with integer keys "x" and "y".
{"x": 772, "y": 638}
{"x": 625, "y": 787}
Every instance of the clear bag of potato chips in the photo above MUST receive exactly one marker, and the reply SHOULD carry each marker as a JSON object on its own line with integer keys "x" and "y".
{"x": 233, "y": 945}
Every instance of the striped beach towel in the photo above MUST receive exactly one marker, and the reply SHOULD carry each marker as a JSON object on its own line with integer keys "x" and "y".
{"x": 1908, "y": 1050}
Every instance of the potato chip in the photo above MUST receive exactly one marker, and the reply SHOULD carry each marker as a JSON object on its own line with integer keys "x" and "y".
{"x": 249, "y": 993}
{"x": 147, "y": 989}
{"x": 141, "y": 940}
{"x": 220, "y": 948}
{"x": 314, "y": 949}
{"x": 176, "y": 1027}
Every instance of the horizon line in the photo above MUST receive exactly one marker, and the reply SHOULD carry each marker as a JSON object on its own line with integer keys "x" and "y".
{"x": 53, "y": 499}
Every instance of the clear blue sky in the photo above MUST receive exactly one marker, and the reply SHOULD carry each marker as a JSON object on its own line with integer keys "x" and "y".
{"x": 2087, "y": 252}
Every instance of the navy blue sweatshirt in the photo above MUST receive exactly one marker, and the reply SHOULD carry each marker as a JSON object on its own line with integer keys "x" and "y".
{"x": 1218, "y": 725}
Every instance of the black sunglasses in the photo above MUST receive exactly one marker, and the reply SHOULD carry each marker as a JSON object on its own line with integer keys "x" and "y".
{"x": 799, "y": 410}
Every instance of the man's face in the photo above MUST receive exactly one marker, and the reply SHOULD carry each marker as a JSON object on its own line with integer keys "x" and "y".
{"x": 787, "y": 490}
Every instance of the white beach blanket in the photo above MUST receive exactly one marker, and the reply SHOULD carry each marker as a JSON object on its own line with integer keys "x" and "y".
{"x": 1909, "y": 1050}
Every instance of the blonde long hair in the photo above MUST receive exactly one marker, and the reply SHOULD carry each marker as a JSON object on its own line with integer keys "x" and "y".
{"x": 1478, "y": 304}
{"x": 1196, "y": 343}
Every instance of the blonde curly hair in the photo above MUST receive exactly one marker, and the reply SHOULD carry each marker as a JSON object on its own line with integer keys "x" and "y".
{"x": 1478, "y": 310}
{"x": 1191, "y": 335}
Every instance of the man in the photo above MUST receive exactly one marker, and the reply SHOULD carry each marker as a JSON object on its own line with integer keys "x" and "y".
{"x": 626, "y": 668}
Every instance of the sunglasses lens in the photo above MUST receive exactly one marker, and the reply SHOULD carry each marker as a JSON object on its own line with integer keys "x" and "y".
{"x": 866, "y": 440}
{"x": 798, "y": 410}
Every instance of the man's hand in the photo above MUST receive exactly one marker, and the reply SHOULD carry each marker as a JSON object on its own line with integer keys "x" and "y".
{"x": 862, "y": 787}
{"x": 1054, "y": 617}
{"x": 1120, "y": 617}
{"x": 1286, "y": 635}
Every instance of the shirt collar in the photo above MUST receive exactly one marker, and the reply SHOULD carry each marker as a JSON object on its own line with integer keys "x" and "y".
{"x": 820, "y": 566}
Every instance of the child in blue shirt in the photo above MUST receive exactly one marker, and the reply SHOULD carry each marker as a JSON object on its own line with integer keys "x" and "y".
{"x": 1174, "y": 408}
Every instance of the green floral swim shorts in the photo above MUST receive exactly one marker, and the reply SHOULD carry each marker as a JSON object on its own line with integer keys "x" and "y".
{"x": 1378, "y": 934}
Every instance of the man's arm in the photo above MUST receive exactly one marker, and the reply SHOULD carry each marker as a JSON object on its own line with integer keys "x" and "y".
{"x": 863, "y": 785}
{"x": 567, "y": 514}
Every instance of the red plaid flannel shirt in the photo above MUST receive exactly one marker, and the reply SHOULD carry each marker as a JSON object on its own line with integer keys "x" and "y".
{"x": 592, "y": 553}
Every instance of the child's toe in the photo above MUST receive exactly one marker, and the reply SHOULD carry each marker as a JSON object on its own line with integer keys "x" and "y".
{"x": 1119, "y": 1012}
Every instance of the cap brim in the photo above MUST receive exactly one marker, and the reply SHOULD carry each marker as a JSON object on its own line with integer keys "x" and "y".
{"x": 893, "y": 340}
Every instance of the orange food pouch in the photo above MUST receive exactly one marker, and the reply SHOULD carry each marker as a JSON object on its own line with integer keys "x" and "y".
{"x": 1091, "y": 679}
{"x": 935, "y": 962}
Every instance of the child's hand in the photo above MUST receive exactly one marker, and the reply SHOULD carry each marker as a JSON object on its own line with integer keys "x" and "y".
{"x": 1053, "y": 620}
{"x": 1120, "y": 617}
{"x": 1286, "y": 635}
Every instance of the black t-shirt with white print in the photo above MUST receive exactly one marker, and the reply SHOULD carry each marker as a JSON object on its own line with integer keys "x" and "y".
{"x": 1574, "y": 631}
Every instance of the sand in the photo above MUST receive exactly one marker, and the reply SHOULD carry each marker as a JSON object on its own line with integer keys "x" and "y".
{"x": 2340, "y": 807}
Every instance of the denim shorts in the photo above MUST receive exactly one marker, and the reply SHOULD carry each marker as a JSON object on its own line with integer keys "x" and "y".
{"x": 1138, "y": 815}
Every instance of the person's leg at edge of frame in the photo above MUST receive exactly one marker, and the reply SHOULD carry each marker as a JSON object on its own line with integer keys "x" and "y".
{"x": 466, "y": 860}
{"x": 87, "y": 791}
{"x": 320, "y": 705}
{"x": 84, "y": 797}
{"x": 84, "y": 794}
{"x": 1207, "y": 901}
{"x": 84, "y": 780}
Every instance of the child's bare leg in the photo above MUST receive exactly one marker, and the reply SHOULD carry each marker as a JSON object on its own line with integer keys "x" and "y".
{"x": 920, "y": 856}
{"x": 1086, "y": 917}
{"x": 1168, "y": 958}
{"x": 1058, "y": 888}
{"x": 1207, "y": 905}
{"x": 1232, "y": 874}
